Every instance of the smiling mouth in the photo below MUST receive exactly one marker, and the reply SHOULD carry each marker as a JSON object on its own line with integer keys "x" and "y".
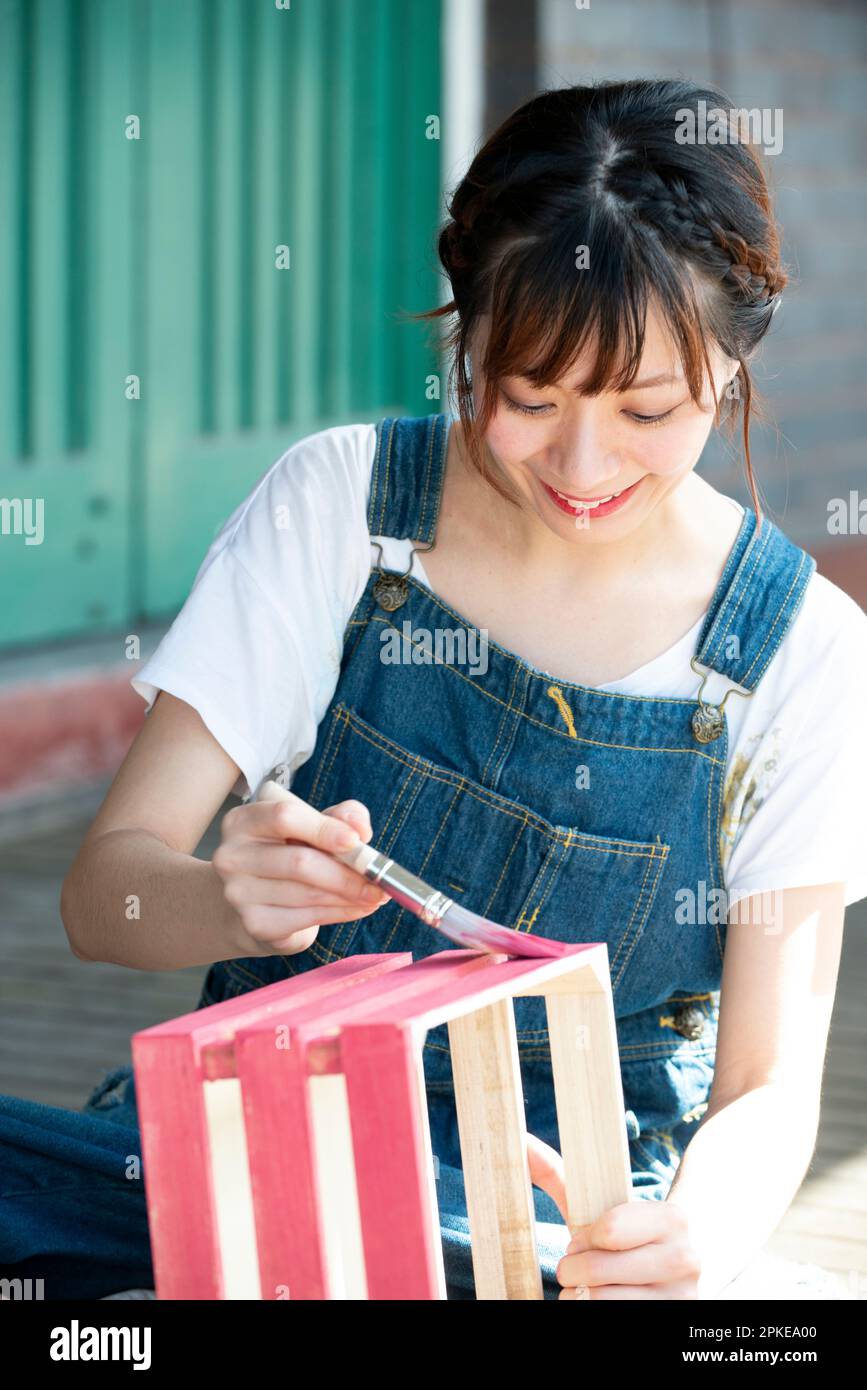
{"x": 586, "y": 507}
{"x": 586, "y": 501}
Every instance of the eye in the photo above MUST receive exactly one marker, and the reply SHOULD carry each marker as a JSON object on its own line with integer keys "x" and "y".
{"x": 650, "y": 419}
{"x": 523, "y": 409}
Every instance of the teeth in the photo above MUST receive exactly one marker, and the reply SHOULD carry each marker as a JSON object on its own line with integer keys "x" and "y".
{"x": 588, "y": 506}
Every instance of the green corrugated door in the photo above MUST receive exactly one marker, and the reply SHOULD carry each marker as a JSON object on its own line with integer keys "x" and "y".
{"x": 154, "y": 258}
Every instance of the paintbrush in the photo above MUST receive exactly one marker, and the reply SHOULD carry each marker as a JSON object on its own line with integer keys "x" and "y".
{"x": 431, "y": 906}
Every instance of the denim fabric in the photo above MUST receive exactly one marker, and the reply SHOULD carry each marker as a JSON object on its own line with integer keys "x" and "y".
{"x": 470, "y": 776}
{"x": 72, "y": 1199}
{"x": 548, "y": 806}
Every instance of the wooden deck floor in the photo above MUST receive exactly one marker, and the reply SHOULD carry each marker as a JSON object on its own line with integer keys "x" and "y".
{"x": 64, "y": 1024}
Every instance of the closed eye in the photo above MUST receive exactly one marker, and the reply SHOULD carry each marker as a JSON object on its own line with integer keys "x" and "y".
{"x": 650, "y": 419}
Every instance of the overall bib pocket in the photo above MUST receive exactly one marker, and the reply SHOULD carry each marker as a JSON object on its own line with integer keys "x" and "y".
{"x": 494, "y": 856}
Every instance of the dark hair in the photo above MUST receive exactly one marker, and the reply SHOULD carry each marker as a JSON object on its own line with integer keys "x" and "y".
{"x": 689, "y": 224}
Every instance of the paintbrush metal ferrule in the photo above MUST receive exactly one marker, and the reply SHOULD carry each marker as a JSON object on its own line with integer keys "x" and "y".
{"x": 407, "y": 889}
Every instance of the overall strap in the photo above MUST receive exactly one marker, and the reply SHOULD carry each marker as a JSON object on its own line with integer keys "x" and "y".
{"x": 407, "y": 476}
{"x": 756, "y": 601}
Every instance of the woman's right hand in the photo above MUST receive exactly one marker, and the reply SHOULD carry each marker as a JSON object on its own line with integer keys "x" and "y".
{"x": 275, "y": 859}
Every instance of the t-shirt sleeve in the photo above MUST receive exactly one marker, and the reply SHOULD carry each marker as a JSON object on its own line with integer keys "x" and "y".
{"x": 256, "y": 647}
{"x": 794, "y": 806}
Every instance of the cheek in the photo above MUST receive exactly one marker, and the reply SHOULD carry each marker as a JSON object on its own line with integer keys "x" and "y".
{"x": 510, "y": 439}
{"x": 671, "y": 449}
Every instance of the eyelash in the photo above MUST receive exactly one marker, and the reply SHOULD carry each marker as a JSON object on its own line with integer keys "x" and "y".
{"x": 540, "y": 409}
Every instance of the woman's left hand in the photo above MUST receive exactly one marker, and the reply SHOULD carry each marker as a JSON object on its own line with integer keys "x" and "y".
{"x": 637, "y": 1249}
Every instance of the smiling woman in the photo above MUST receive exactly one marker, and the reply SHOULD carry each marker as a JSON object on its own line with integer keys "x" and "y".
{"x": 663, "y": 716}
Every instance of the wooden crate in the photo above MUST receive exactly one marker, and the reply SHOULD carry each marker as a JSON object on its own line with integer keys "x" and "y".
{"x": 285, "y": 1135}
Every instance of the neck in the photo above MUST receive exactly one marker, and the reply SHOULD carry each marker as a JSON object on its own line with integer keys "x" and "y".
{"x": 531, "y": 548}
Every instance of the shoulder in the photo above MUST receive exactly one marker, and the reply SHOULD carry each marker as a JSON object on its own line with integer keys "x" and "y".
{"x": 818, "y": 674}
{"x": 828, "y": 622}
{"x": 324, "y": 474}
{"x": 312, "y": 497}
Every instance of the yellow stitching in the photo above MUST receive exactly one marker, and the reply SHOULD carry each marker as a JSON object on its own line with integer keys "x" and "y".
{"x": 526, "y": 921}
{"x": 402, "y": 913}
{"x": 695, "y": 1113}
{"x": 341, "y": 940}
{"x": 503, "y": 719}
{"x": 327, "y": 759}
{"x": 551, "y": 881}
{"x": 506, "y": 864}
{"x": 559, "y": 700}
{"x": 651, "y": 895}
{"x": 457, "y": 780}
{"x": 733, "y": 604}
{"x": 664, "y": 1138}
{"x": 558, "y": 733}
{"x": 780, "y": 610}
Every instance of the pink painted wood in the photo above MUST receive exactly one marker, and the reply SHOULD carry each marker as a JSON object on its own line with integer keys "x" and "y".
{"x": 171, "y": 1062}
{"x": 364, "y": 1017}
{"x": 279, "y": 1135}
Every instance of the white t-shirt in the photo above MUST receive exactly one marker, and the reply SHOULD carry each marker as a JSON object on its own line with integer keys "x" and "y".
{"x": 256, "y": 650}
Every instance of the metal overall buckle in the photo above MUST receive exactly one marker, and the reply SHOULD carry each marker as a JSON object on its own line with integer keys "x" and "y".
{"x": 708, "y": 721}
{"x": 392, "y": 590}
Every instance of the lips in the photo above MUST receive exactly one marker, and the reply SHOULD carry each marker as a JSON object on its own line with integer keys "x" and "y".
{"x": 588, "y": 507}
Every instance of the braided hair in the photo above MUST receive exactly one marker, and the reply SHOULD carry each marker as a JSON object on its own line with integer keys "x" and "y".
{"x": 601, "y": 167}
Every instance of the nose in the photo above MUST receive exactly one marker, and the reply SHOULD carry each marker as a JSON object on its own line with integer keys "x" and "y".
{"x": 587, "y": 463}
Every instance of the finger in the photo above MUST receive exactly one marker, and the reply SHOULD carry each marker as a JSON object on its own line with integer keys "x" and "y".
{"x": 272, "y": 925}
{"x": 292, "y": 862}
{"x": 612, "y": 1292}
{"x": 656, "y": 1263}
{"x": 244, "y": 890}
{"x": 354, "y": 813}
{"x": 546, "y": 1171}
{"x": 627, "y": 1225}
{"x": 290, "y": 819}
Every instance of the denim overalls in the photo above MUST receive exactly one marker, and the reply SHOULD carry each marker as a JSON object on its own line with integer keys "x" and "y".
{"x": 547, "y": 806}
{"x": 544, "y": 805}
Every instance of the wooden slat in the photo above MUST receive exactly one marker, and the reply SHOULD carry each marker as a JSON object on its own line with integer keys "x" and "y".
{"x": 395, "y": 1179}
{"x": 589, "y": 1094}
{"x": 493, "y": 1134}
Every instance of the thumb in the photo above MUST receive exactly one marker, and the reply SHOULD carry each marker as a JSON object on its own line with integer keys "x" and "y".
{"x": 546, "y": 1171}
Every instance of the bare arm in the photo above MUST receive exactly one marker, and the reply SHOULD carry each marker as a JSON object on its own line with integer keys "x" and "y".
{"x": 135, "y": 894}
{"x": 744, "y": 1165}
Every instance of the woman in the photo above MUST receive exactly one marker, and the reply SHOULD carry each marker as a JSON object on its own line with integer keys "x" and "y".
{"x": 633, "y": 737}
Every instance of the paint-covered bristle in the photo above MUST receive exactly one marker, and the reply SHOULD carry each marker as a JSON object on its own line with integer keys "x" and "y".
{"x": 478, "y": 934}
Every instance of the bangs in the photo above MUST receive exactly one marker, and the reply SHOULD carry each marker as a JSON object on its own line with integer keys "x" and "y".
{"x": 550, "y": 301}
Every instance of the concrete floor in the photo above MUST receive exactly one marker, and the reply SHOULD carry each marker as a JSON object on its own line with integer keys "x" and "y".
{"x": 64, "y": 1024}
